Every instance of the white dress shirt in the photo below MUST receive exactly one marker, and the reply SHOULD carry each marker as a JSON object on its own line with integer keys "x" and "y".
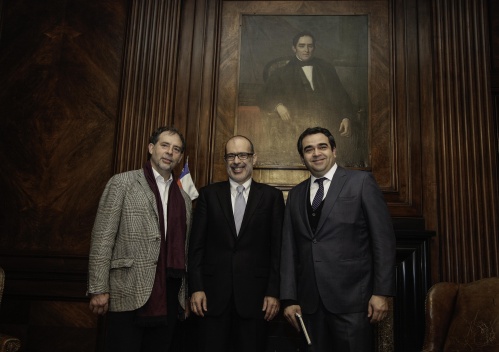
{"x": 164, "y": 187}
{"x": 314, "y": 186}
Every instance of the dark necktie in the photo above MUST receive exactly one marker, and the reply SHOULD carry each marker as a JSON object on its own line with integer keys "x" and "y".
{"x": 239, "y": 206}
{"x": 320, "y": 193}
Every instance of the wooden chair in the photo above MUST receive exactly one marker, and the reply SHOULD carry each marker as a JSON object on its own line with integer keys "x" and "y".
{"x": 7, "y": 343}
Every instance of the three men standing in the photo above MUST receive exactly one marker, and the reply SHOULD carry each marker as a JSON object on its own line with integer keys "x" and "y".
{"x": 332, "y": 261}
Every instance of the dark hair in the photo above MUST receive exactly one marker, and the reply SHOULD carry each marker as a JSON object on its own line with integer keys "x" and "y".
{"x": 239, "y": 136}
{"x": 153, "y": 139}
{"x": 314, "y": 130}
{"x": 297, "y": 37}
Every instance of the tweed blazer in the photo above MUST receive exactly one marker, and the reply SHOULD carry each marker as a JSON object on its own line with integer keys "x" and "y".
{"x": 126, "y": 242}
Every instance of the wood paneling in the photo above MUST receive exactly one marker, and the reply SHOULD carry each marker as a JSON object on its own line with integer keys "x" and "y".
{"x": 60, "y": 68}
{"x": 85, "y": 82}
{"x": 149, "y": 78}
{"x": 467, "y": 145}
{"x": 195, "y": 93}
{"x": 60, "y": 74}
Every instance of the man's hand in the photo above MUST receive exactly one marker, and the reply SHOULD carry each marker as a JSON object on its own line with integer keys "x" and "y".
{"x": 345, "y": 130}
{"x": 270, "y": 307}
{"x": 283, "y": 112}
{"x": 199, "y": 304}
{"x": 99, "y": 303}
{"x": 377, "y": 309}
{"x": 290, "y": 315}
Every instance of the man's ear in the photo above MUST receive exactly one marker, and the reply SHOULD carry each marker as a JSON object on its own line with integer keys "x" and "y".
{"x": 254, "y": 159}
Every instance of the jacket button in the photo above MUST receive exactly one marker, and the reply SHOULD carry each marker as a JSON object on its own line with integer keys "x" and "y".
{"x": 314, "y": 241}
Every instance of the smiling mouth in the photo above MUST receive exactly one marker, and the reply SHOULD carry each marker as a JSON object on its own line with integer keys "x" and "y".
{"x": 237, "y": 169}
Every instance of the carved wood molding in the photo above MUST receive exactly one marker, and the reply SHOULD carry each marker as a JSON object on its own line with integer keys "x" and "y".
{"x": 45, "y": 276}
{"x": 467, "y": 151}
{"x": 149, "y": 78}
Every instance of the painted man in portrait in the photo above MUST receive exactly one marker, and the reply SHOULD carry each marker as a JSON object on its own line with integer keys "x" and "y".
{"x": 306, "y": 92}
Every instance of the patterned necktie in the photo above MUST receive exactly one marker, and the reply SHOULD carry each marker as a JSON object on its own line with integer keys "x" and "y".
{"x": 239, "y": 206}
{"x": 320, "y": 193}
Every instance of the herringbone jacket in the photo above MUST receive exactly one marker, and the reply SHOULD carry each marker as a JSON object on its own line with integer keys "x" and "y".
{"x": 126, "y": 242}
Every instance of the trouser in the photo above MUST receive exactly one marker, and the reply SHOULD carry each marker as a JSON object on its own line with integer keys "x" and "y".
{"x": 338, "y": 332}
{"x": 125, "y": 335}
{"x": 231, "y": 332}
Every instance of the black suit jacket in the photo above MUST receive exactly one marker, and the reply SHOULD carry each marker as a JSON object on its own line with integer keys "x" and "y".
{"x": 350, "y": 257}
{"x": 289, "y": 85}
{"x": 245, "y": 266}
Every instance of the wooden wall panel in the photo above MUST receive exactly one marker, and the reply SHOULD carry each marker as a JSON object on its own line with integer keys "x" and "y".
{"x": 60, "y": 68}
{"x": 60, "y": 74}
{"x": 195, "y": 93}
{"x": 65, "y": 129}
{"x": 467, "y": 145}
{"x": 150, "y": 64}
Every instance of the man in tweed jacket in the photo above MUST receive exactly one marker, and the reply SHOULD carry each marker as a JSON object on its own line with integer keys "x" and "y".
{"x": 138, "y": 250}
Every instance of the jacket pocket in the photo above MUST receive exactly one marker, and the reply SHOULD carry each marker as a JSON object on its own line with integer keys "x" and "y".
{"x": 121, "y": 263}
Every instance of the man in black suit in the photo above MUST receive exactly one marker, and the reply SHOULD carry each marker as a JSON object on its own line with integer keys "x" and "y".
{"x": 308, "y": 91}
{"x": 234, "y": 267}
{"x": 338, "y": 250}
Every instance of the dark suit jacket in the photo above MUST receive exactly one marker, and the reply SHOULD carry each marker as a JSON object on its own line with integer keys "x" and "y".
{"x": 245, "y": 266}
{"x": 352, "y": 254}
{"x": 289, "y": 85}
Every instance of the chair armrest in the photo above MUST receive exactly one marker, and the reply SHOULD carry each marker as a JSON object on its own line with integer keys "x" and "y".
{"x": 9, "y": 343}
{"x": 440, "y": 303}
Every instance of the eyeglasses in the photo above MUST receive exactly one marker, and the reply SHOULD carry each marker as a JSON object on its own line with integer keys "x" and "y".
{"x": 241, "y": 156}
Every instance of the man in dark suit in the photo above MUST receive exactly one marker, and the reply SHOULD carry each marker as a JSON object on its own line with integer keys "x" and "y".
{"x": 338, "y": 250}
{"x": 234, "y": 266}
{"x": 307, "y": 90}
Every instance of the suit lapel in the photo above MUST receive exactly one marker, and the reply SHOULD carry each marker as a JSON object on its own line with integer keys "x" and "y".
{"x": 339, "y": 179}
{"x": 226, "y": 206}
{"x": 303, "y": 205}
{"x": 148, "y": 193}
{"x": 255, "y": 194}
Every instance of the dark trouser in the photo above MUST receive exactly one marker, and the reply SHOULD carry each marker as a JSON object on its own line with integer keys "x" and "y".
{"x": 230, "y": 332}
{"x": 338, "y": 332}
{"x": 124, "y": 335}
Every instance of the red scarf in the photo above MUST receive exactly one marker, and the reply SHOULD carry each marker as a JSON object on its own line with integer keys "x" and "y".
{"x": 171, "y": 261}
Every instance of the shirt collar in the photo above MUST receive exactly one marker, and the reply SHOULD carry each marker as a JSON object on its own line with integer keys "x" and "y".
{"x": 329, "y": 175}
{"x": 160, "y": 178}
{"x": 234, "y": 184}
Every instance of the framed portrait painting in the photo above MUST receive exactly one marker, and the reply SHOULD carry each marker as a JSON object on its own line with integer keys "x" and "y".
{"x": 285, "y": 66}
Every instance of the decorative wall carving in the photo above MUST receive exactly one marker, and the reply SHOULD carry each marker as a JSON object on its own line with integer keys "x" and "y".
{"x": 149, "y": 78}
{"x": 466, "y": 152}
